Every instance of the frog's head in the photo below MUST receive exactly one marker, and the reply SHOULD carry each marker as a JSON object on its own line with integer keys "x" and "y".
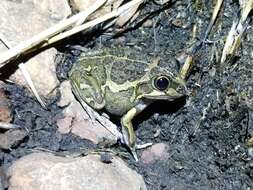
{"x": 163, "y": 87}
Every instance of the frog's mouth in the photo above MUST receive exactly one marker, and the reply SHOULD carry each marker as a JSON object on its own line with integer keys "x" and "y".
{"x": 170, "y": 94}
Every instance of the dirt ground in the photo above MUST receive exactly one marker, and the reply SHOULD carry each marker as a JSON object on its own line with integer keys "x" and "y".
{"x": 206, "y": 132}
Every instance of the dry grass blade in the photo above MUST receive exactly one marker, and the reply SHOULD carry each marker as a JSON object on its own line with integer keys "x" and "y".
{"x": 246, "y": 8}
{"x": 92, "y": 23}
{"x": 214, "y": 16}
{"x": 189, "y": 60}
{"x": 186, "y": 67}
{"x": 29, "y": 81}
{"x": 229, "y": 42}
{"x": 25, "y": 73}
{"x": 47, "y": 34}
{"x": 236, "y": 32}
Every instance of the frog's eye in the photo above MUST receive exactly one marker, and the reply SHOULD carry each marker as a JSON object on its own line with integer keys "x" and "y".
{"x": 161, "y": 83}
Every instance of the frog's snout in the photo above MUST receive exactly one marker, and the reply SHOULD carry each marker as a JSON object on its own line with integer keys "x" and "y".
{"x": 182, "y": 89}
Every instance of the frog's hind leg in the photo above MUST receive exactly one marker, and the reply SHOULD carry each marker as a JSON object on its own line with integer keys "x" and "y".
{"x": 85, "y": 100}
{"x": 129, "y": 137}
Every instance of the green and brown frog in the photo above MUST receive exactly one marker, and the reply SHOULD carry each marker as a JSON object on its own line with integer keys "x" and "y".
{"x": 124, "y": 84}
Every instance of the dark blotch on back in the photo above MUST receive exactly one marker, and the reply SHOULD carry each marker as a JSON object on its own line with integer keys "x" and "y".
{"x": 123, "y": 70}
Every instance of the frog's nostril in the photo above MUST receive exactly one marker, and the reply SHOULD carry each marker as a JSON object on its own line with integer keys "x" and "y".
{"x": 182, "y": 90}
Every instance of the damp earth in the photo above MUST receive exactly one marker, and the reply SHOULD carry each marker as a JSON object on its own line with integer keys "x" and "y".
{"x": 205, "y": 133}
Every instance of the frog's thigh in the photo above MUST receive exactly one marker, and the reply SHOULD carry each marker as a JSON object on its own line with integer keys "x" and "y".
{"x": 92, "y": 93}
{"x": 127, "y": 126}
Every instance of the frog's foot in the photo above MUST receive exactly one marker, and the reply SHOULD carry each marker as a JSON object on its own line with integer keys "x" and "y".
{"x": 133, "y": 152}
{"x": 142, "y": 146}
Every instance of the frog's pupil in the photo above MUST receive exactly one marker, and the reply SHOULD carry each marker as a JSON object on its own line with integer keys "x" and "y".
{"x": 162, "y": 83}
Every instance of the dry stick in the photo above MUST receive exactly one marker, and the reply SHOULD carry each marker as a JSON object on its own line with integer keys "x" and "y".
{"x": 46, "y": 34}
{"x": 9, "y": 126}
{"x": 25, "y": 73}
{"x": 214, "y": 16}
{"x": 80, "y": 28}
{"x": 247, "y": 7}
{"x": 186, "y": 67}
{"x": 189, "y": 60}
{"x": 92, "y": 23}
{"x": 236, "y": 32}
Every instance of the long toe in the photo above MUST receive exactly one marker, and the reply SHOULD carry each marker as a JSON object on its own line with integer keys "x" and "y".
{"x": 135, "y": 156}
{"x": 142, "y": 146}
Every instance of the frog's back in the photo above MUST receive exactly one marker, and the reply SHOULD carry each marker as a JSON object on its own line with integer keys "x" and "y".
{"x": 110, "y": 78}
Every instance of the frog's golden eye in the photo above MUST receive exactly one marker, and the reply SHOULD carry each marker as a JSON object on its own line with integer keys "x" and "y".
{"x": 161, "y": 83}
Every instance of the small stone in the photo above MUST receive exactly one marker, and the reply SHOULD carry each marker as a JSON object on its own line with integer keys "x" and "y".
{"x": 109, "y": 6}
{"x": 42, "y": 171}
{"x": 250, "y": 152}
{"x": 177, "y": 23}
{"x": 121, "y": 40}
{"x": 148, "y": 23}
{"x": 5, "y": 111}
{"x": 106, "y": 158}
{"x": 154, "y": 153}
{"x": 64, "y": 124}
{"x": 11, "y": 138}
{"x": 66, "y": 94}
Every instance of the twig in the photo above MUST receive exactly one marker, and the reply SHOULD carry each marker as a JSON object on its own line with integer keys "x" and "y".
{"x": 46, "y": 34}
{"x": 49, "y": 36}
{"x": 214, "y": 16}
{"x": 92, "y": 23}
{"x": 184, "y": 71}
{"x": 236, "y": 32}
{"x": 189, "y": 60}
{"x": 247, "y": 6}
{"x": 9, "y": 126}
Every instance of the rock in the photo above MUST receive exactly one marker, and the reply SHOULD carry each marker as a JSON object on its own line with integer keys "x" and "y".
{"x": 42, "y": 171}
{"x": 5, "y": 111}
{"x": 75, "y": 120}
{"x": 42, "y": 71}
{"x": 19, "y": 21}
{"x": 3, "y": 179}
{"x": 67, "y": 96}
{"x": 81, "y": 5}
{"x": 148, "y": 23}
{"x": 154, "y": 153}
{"x": 11, "y": 138}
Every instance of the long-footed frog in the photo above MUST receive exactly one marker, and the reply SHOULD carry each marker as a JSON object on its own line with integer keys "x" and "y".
{"x": 124, "y": 84}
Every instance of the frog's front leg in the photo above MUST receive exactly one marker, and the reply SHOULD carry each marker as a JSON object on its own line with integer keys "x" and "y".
{"x": 129, "y": 137}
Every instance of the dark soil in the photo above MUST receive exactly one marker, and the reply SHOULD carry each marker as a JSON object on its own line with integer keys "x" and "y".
{"x": 206, "y": 132}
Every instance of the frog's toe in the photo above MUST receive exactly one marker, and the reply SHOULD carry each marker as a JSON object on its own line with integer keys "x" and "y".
{"x": 133, "y": 152}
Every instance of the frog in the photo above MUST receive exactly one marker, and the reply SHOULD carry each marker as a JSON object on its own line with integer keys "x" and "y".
{"x": 124, "y": 81}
